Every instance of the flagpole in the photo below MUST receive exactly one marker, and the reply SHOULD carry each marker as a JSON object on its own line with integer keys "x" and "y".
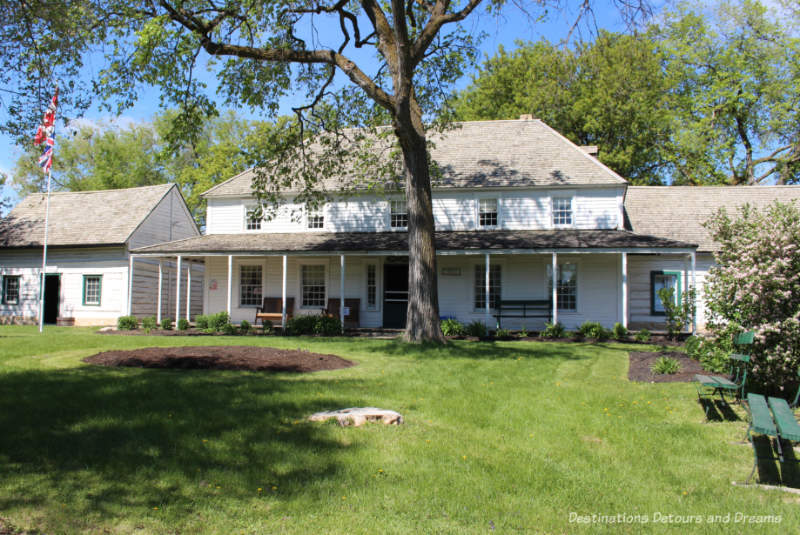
{"x": 44, "y": 256}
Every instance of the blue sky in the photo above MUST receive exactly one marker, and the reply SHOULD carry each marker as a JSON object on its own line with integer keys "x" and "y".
{"x": 503, "y": 30}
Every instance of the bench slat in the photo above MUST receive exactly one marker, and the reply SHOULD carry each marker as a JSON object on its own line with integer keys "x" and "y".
{"x": 760, "y": 415}
{"x": 740, "y": 357}
{"x": 784, "y": 419}
{"x": 705, "y": 380}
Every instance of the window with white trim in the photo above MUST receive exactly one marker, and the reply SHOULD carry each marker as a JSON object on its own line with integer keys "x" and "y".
{"x": 252, "y": 222}
{"x": 399, "y": 214}
{"x": 495, "y": 283}
{"x": 658, "y": 281}
{"x": 372, "y": 286}
{"x": 487, "y": 212}
{"x": 567, "y": 291}
{"x": 312, "y": 279}
{"x": 562, "y": 211}
{"x": 250, "y": 286}
{"x": 11, "y": 289}
{"x": 92, "y": 285}
{"x": 316, "y": 217}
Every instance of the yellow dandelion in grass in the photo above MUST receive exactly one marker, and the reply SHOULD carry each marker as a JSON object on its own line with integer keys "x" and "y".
{"x": 260, "y": 489}
{"x": 274, "y": 488}
{"x": 428, "y": 440}
{"x": 219, "y": 487}
{"x": 464, "y": 457}
{"x": 155, "y": 508}
{"x": 685, "y": 493}
{"x": 380, "y": 470}
{"x": 344, "y": 497}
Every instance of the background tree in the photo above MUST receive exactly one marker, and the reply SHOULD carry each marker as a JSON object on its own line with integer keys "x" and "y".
{"x": 611, "y": 92}
{"x": 5, "y": 203}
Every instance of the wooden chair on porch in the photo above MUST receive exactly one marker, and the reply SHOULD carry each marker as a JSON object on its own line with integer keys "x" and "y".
{"x": 351, "y": 317}
{"x": 270, "y": 310}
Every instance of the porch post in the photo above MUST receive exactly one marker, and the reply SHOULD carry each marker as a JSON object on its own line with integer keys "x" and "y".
{"x": 486, "y": 282}
{"x": 160, "y": 286}
{"x": 230, "y": 283}
{"x": 341, "y": 290}
{"x": 188, "y": 290}
{"x": 283, "y": 298}
{"x": 694, "y": 286}
{"x": 130, "y": 285}
{"x": 178, "y": 289}
{"x": 554, "y": 295}
{"x": 625, "y": 290}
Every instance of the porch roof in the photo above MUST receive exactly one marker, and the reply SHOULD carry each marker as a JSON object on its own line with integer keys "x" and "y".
{"x": 392, "y": 243}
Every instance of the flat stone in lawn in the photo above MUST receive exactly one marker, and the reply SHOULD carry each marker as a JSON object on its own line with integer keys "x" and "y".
{"x": 357, "y": 416}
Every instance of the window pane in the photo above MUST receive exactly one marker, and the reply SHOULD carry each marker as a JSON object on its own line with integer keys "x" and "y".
{"x": 11, "y": 289}
{"x": 316, "y": 218}
{"x": 664, "y": 280}
{"x": 250, "y": 285}
{"x": 372, "y": 286}
{"x": 562, "y": 211}
{"x": 567, "y": 290}
{"x": 487, "y": 213}
{"x": 91, "y": 290}
{"x": 495, "y": 283}
{"x": 313, "y": 281}
{"x": 399, "y": 214}
{"x": 253, "y": 223}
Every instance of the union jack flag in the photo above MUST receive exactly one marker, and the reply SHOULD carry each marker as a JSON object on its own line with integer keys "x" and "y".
{"x": 46, "y": 135}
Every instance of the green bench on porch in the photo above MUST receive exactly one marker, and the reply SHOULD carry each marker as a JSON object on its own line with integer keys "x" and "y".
{"x": 708, "y": 385}
{"x": 524, "y": 308}
{"x": 773, "y": 418}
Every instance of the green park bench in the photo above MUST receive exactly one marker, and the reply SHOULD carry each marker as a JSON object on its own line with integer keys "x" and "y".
{"x": 709, "y": 385}
{"x": 773, "y": 418}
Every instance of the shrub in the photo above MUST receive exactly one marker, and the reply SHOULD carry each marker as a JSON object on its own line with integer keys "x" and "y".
{"x": 643, "y": 335}
{"x": 619, "y": 331}
{"x": 149, "y": 323}
{"x": 217, "y": 322}
{"x": 244, "y": 327}
{"x": 502, "y": 334}
{"x": 553, "y": 330}
{"x": 754, "y": 287}
{"x": 592, "y": 329}
{"x": 665, "y": 365}
{"x": 692, "y": 346}
{"x": 327, "y": 326}
{"x": 453, "y": 327}
{"x": 201, "y": 322}
{"x": 476, "y": 328}
{"x": 166, "y": 324}
{"x": 301, "y": 325}
{"x": 127, "y": 323}
{"x": 229, "y": 329}
{"x": 183, "y": 324}
{"x": 267, "y": 326}
{"x": 677, "y": 315}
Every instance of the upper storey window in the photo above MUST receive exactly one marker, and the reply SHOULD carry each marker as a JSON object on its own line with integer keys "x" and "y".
{"x": 316, "y": 217}
{"x": 487, "y": 212}
{"x": 399, "y": 214}
{"x": 252, "y": 222}
{"x": 562, "y": 212}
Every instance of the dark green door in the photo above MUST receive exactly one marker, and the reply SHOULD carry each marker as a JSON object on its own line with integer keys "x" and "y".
{"x": 395, "y": 295}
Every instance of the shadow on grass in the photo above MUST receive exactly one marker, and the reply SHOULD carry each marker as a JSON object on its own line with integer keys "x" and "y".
{"x": 105, "y": 439}
{"x": 717, "y": 410}
{"x": 772, "y": 472}
{"x": 490, "y": 350}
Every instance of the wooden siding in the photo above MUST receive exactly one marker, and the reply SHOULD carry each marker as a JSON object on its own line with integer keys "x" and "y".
{"x": 145, "y": 288}
{"x": 169, "y": 220}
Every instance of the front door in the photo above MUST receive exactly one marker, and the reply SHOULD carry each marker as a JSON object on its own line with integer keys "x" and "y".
{"x": 395, "y": 295}
{"x": 52, "y": 297}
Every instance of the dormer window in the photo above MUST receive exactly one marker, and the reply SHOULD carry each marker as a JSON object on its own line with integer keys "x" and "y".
{"x": 316, "y": 217}
{"x": 487, "y": 212}
{"x": 253, "y": 222}
{"x": 562, "y": 211}
{"x": 399, "y": 214}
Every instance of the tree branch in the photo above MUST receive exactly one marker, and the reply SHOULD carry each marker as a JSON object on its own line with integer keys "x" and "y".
{"x": 439, "y": 17}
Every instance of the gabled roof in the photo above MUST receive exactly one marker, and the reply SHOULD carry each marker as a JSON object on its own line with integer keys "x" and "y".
{"x": 80, "y": 218}
{"x": 678, "y": 212}
{"x": 507, "y": 153}
{"x": 397, "y": 242}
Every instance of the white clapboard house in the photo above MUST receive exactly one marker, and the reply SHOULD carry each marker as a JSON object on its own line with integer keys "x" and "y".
{"x": 90, "y": 237}
{"x": 516, "y": 204}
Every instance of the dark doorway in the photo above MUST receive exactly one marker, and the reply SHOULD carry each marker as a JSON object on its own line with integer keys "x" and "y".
{"x": 52, "y": 297}
{"x": 395, "y": 295}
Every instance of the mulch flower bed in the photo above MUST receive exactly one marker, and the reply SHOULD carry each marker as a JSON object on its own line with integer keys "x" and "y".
{"x": 641, "y": 361}
{"x": 221, "y": 358}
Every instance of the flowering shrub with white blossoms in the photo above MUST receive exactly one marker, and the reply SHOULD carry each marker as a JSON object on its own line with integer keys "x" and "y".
{"x": 756, "y": 286}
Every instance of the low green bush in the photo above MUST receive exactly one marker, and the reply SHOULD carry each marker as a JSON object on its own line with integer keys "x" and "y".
{"x": 619, "y": 331}
{"x": 217, "y": 322}
{"x": 553, "y": 330}
{"x": 201, "y": 322}
{"x": 453, "y": 327}
{"x": 692, "y": 346}
{"x": 266, "y": 326}
{"x": 327, "y": 326}
{"x": 149, "y": 323}
{"x": 665, "y": 366}
{"x": 166, "y": 324}
{"x": 127, "y": 323}
{"x": 229, "y": 329}
{"x": 593, "y": 329}
{"x": 476, "y": 328}
{"x": 183, "y": 324}
{"x": 643, "y": 335}
{"x": 300, "y": 325}
{"x": 502, "y": 334}
{"x": 245, "y": 327}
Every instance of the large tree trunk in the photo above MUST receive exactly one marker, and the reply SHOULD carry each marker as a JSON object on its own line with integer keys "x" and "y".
{"x": 422, "y": 319}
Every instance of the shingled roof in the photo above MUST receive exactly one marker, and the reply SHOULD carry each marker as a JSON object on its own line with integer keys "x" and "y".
{"x": 80, "y": 218}
{"x": 678, "y": 212}
{"x": 508, "y": 153}
{"x": 397, "y": 242}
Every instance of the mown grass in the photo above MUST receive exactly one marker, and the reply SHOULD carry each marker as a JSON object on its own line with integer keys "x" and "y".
{"x": 506, "y": 437}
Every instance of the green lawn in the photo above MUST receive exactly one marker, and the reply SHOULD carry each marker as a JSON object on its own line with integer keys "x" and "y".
{"x": 505, "y": 437}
